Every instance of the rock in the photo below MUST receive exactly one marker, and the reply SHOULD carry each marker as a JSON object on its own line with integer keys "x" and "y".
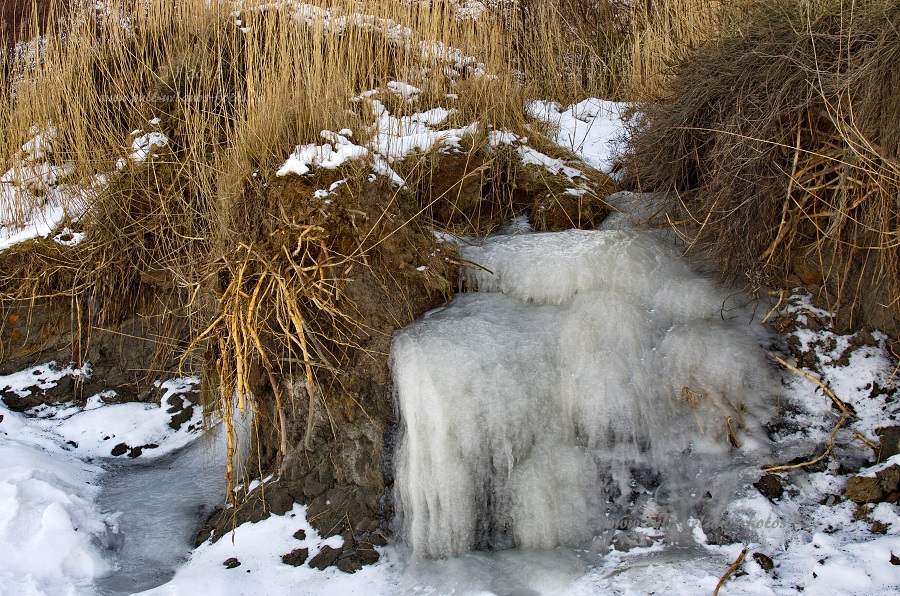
{"x": 119, "y": 449}
{"x": 809, "y": 274}
{"x": 296, "y": 557}
{"x": 181, "y": 417}
{"x": 326, "y": 558}
{"x": 350, "y": 564}
{"x": 764, "y": 561}
{"x": 231, "y": 563}
{"x": 862, "y": 489}
{"x": 300, "y": 534}
{"x": 367, "y": 554}
{"x": 883, "y": 486}
{"x": 890, "y": 442}
{"x": 626, "y": 541}
{"x": 771, "y": 486}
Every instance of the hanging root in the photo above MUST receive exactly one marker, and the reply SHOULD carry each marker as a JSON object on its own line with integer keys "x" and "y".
{"x": 280, "y": 314}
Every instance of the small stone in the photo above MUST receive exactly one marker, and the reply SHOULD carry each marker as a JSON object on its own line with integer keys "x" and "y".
{"x": 181, "y": 417}
{"x": 895, "y": 560}
{"x": 866, "y": 489}
{"x": 300, "y": 534}
{"x": 890, "y": 442}
{"x": 861, "y": 489}
{"x": 231, "y": 563}
{"x": 296, "y": 557}
{"x": 119, "y": 449}
{"x": 764, "y": 561}
{"x": 350, "y": 564}
{"x": 878, "y": 527}
{"x": 771, "y": 486}
{"x": 367, "y": 554}
{"x": 326, "y": 558}
{"x": 378, "y": 539}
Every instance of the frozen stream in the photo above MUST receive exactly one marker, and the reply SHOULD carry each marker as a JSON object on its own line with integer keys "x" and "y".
{"x": 161, "y": 505}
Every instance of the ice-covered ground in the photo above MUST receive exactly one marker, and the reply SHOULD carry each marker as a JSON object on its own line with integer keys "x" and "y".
{"x": 56, "y": 539}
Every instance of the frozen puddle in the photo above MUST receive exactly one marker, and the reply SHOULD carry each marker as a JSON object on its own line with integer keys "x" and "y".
{"x": 591, "y": 382}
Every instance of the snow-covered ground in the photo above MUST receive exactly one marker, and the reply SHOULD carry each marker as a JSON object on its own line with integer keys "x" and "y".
{"x": 56, "y": 539}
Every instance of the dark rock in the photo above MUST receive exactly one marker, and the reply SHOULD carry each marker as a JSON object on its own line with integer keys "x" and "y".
{"x": 771, "y": 486}
{"x": 367, "y": 554}
{"x": 326, "y": 558}
{"x": 296, "y": 557}
{"x": 300, "y": 534}
{"x": 136, "y": 451}
{"x": 805, "y": 358}
{"x": 862, "y": 489}
{"x": 895, "y": 560}
{"x": 863, "y": 338}
{"x": 865, "y": 489}
{"x": 764, "y": 561}
{"x": 231, "y": 563}
{"x": 181, "y": 417}
{"x": 349, "y": 564}
{"x": 890, "y": 442}
{"x": 329, "y": 512}
{"x": 119, "y": 449}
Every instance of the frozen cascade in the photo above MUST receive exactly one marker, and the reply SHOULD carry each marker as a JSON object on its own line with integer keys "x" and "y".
{"x": 591, "y": 377}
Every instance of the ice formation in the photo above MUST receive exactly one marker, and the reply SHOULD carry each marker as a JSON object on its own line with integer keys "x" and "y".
{"x": 591, "y": 376}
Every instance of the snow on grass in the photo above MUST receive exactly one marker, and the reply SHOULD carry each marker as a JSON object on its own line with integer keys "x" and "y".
{"x": 392, "y": 139}
{"x": 329, "y": 156}
{"x": 591, "y": 129}
{"x": 36, "y": 195}
{"x": 143, "y": 146}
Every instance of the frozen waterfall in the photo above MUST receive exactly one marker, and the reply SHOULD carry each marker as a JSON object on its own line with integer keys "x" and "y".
{"x": 587, "y": 377}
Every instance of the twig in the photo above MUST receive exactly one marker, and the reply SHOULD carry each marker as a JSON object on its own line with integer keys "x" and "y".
{"x": 860, "y": 436}
{"x": 846, "y": 414}
{"x": 840, "y": 404}
{"x": 732, "y": 569}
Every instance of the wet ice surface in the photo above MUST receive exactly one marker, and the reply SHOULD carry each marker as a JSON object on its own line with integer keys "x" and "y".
{"x": 159, "y": 507}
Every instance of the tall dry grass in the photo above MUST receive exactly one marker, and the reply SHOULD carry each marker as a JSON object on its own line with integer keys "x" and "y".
{"x": 780, "y": 144}
{"x": 235, "y": 86}
{"x": 192, "y": 229}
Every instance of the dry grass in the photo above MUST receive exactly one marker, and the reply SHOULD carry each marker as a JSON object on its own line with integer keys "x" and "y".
{"x": 204, "y": 233}
{"x": 781, "y": 142}
{"x": 617, "y": 49}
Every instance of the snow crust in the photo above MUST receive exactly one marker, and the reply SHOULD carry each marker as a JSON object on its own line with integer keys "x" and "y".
{"x": 93, "y": 431}
{"x": 583, "y": 359}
